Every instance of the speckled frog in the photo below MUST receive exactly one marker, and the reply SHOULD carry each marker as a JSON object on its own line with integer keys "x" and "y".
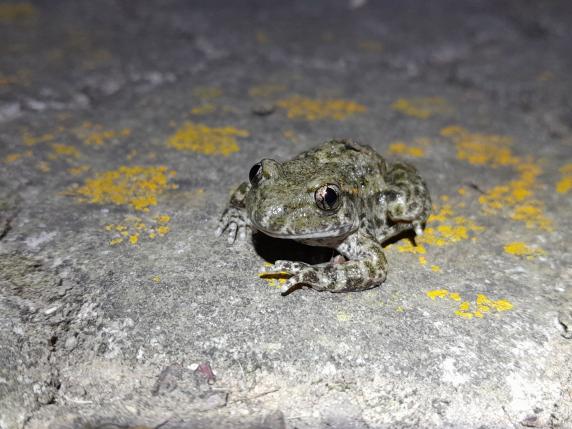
{"x": 341, "y": 195}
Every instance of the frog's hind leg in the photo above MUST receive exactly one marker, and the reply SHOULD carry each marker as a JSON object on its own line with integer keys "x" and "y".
{"x": 406, "y": 198}
{"x": 366, "y": 269}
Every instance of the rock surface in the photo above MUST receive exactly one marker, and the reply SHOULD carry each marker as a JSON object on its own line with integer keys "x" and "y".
{"x": 125, "y": 125}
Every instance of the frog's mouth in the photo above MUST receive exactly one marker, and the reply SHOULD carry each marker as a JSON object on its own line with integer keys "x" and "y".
{"x": 292, "y": 235}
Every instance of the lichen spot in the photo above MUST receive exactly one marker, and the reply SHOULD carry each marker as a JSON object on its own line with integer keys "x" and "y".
{"x": 402, "y": 148}
{"x": 310, "y": 109}
{"x": 17, "y": 11}
{"x": 422, "y": 107}
{"x": 518, "y": 248}
{"x": 564, "y": 185}
{"x": 135, "y": 186}
{"x": 206, "y": 140}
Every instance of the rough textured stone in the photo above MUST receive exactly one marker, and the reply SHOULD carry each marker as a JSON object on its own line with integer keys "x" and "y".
{"x": 114, "y": 290}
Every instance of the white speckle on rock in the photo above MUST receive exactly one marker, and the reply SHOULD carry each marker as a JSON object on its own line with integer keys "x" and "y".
{"x": 35, "y": 241}
{"x": 450, "y": 373}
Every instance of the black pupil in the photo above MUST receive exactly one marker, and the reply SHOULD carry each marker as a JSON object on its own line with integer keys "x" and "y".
{"x": 331, "y": 197}
{"x": 252, "y": 176}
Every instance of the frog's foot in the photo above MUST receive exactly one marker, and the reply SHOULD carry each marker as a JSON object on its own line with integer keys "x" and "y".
{"x": 340, "y": 276}
{"x": 348, "y": 276}
{"x": 234, "y": 221}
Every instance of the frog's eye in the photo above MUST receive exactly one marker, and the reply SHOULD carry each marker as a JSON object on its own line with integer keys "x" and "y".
{"x": 328, "y": 197}
{"x": 255, "y": 174}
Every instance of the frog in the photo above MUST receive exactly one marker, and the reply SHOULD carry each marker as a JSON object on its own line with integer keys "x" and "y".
{"x": 340, "y": 194}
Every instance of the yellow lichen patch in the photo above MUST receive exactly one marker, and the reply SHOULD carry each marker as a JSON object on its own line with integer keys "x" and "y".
{"x": 532, "y": 214}
{"x": 31, "y": 140}
{"x": 156, "y": 279}
{"x": 422, "y": 107}
{"x": 266, "y": 90}
{"x": 565, "y": 184}
{"x": 276, "y": 280}
{"x": 15, "y": 157}
{"x": 437, "y": 293}
{"x": 518, "y": 248}
{"x": 298, "y": 107}
{"x": 407, "y": 246}
{"x": 401, "y": 148}
{"x": 63, "y": 151}
{"x": 203, "y": 109}
{"x": 18, "y": 78}
{"x": 134, "y": 229}
{"x": 10, "y": 12}
{"x": 422, "y": 260}
{"x": 444, "y": 228}
{"x": 515, "y": 197}
{"x": 96, "y": 135}
{"x": 207, "y": 92}
{"x": 135, "y": 186}
{"x": 467, "y": 309}
{"x": 78, "y": 170}
{"x": 435, "y": 268}
{"x": 206, "y": 140}
{"x": 372, "y": 46}
{"x": 481, "y": 149}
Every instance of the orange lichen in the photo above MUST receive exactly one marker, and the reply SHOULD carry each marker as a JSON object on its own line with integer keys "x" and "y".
{"x": 78, "y": 170}
{"x": 422, "y": 107}
{"x": 11, "y": 12}
{"x": 518, "y": 248}
{"x": 401, "y": 148}
{"x": 444, "y": 228}
{"x": 63, "y": 151}
{"x": 95, "y": 135}
{"x": 14, "y": 157}
{"x": 481, "y": 149}
{"x": 135, "y": 186}
{"x": 565, "y": 184}
{"x": 30, "y": 140}
{"x": 133, "y": 229}
{"x": 203, "y": 109}
{"x": 311, "y": 109}
{"x": 516, "y": 196}
{"x": 467, "y": 309}
{"x": 266, "y": 90}
{"x": 207, "y": 140}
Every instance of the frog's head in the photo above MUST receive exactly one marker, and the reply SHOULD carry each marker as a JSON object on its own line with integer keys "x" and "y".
{"x": 294, "y": 201}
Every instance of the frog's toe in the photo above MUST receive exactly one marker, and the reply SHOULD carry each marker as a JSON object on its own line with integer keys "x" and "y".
{"x": 285, "y": 267}
{"x": 288, "y": 286}
{"x": 232, "y": 228}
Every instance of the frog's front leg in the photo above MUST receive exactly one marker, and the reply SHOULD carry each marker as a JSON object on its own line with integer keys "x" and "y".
{"x": 234, "y": 218}
{"x": 406, "y": 197}
{"x": 366, "y": 268}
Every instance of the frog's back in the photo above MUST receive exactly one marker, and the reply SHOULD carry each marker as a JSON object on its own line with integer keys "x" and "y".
{"x": 347, "y": 155}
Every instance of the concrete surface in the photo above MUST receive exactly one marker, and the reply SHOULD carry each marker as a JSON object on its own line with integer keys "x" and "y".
{"x": 124, "y": 126}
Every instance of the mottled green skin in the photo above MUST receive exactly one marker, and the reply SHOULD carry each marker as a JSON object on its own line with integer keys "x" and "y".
{"x": 377, "y": 201}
